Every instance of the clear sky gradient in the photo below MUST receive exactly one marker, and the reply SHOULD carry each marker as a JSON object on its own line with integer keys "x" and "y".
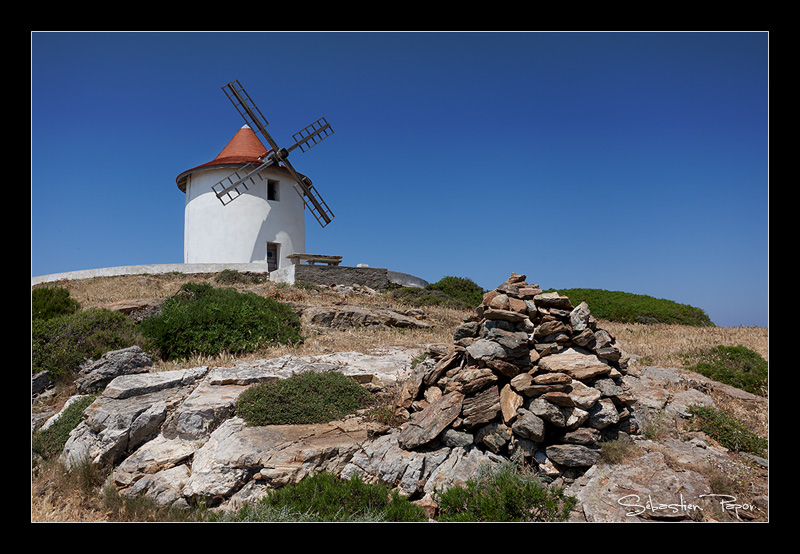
{"x": 626, "y": 161}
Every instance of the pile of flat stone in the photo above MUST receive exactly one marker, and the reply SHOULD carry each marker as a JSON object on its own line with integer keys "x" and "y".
{"x": 529, "y": 377}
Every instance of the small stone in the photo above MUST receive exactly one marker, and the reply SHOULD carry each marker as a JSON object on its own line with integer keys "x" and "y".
{"x": 499, "y": 302}
{"x": 553, "y": 300}
{"x": 505, "y": 315}
{"x": 573, "y": 455}
{"x": 494, "y": 435}
{"x": 466, "y": 330}
{"x": 552, "y": 379}
{"x": 483, "y": 349}
{"x": 517, "y": 305}
{"x": 559, "y": 399}
{"x": 583, "y": 435}
{"x": 550, "y": 328}
{"x": 528, "y": 426}
{"x": 504, "y": 368}
{"x": 547, "y": 411}
{"x": 579, "y": 317}
{"x": 481, "y": 408}
{"x": 453, "y": 438}
{"x": 583, "y": 395}
{"x": 603, "y": 414}
{"x": 510, "y": 402}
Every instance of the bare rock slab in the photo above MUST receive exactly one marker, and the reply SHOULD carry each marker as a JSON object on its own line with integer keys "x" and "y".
{"x": 575, "y": 362}
{"x": 630, "y": 493}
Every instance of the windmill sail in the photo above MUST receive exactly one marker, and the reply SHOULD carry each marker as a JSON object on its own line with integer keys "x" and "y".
{"x": 248, "y": 110}
{"x": 237, "y": 182}
{"x": 231, "y": 187}
{"x": 312, "y": 135}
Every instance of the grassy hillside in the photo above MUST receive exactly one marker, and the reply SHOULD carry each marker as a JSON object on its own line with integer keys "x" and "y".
{"x": 625, "y": 307}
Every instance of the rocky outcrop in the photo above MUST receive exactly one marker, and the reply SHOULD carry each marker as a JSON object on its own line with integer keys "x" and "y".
{"x": 531, "y": 378}
{"x": 173, "y": 435}
{"x": 95, "y": 375}
{"x": 351, "y": 316}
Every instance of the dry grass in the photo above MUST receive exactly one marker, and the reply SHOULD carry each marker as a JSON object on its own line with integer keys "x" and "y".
{"x": 662, "y": 345}
{"x": 60, "y": 496}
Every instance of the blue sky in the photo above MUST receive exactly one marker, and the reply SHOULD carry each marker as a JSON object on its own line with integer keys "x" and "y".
{"x": 616, "y": 160}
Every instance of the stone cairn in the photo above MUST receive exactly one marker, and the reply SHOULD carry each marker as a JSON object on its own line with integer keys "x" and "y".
{"x": 529, "y": 377}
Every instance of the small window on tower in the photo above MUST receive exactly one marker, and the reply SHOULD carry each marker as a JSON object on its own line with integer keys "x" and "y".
{"x": 272, "y": 190}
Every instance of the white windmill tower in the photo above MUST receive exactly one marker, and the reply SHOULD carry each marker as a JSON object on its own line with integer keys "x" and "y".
{"x": 267, "y": 222}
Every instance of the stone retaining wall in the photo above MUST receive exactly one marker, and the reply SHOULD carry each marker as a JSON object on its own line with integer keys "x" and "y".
{"x": 372, "y": 277}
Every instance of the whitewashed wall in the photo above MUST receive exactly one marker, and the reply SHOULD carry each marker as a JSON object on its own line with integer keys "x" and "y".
{"x": 239, "y": 231}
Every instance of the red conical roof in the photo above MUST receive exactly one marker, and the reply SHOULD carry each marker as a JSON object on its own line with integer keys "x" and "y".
{"x": 243, "y": 148}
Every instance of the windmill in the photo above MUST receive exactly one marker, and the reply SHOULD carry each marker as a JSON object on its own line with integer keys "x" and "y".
{"x": 235, "y": 184}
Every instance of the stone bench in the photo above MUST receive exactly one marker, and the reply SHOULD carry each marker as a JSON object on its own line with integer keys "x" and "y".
{"x": 312, "y": 259}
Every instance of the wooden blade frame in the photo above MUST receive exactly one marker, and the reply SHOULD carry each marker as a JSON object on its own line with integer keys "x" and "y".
{"x": 237, "y": 182}
{"x": 228, "y": 189}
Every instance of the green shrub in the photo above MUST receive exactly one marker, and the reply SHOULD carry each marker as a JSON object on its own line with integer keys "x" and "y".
{"x": 48, "y": 302}
{"x": 505, "y": 493}
{"x": 60, "y": 344}
{"x": 736, "y": 366}
{"x": 626, "y": 307}
{"x": 326, "y": 497}
{"x": 462, "y": 289}
{"x": 48, "y": 443}
{"x": 450, "y": 292}
{"x": 308, "y": 397}
{"x": 727, "y": 430}
{"x": 204, "y": 320}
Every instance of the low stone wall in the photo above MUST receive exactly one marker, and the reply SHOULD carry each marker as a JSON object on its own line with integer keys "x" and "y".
{"x": 372, "y": 277}
{"x": 147, "y": 269}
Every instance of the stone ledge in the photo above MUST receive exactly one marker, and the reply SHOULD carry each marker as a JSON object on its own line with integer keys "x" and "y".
{"x": 149, "y": 269}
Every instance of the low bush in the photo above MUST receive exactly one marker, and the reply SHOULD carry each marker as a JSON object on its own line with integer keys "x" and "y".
{"x": 61, "y": 343}
{"x": 727, "y": 430}
{"x": 625, "y": 307}
{"x": 203, "y": 320}
{"x": 324, "y": 497}
{"x": 462, "y": 289}
{"x": 449, "y": 292}
{"x": 51, "y": 301}
{"x": 737, "y": 366}
{"x": 505, "y": 493}
{"x": 308, "y": 397}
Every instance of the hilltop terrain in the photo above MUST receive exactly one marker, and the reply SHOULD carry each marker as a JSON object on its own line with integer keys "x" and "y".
{"x": 656, "y": 345}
